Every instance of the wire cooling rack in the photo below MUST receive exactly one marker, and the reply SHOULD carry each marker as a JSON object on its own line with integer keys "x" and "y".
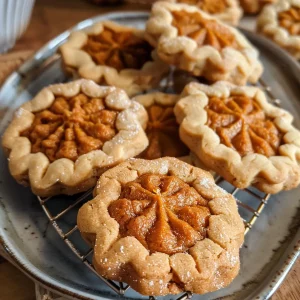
{"x": 62, "y": 213}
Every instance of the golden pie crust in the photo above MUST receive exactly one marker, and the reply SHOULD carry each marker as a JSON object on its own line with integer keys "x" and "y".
{"x": 254, "y": 6}
{"x": 162, "y": 129}
{"x": 112, "y": 54}
{"x": 228, "y": 11}
{"x": 163, "y": 227}
{"x": 235, "y": 132}
{"x": 68, "y": 134}
{"x": 281, "y": 23}
{"x": 193, "y": 41}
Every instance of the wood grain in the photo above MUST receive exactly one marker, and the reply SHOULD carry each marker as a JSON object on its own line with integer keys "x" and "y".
{"x": 51, "y": 17}
{"x": 14, "y": 285}
{"x": 290, "y": 289}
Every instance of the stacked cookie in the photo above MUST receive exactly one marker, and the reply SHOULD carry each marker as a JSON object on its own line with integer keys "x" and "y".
{"x": 281, "y": 23}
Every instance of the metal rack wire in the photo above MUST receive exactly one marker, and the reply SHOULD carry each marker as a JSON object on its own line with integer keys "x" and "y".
{"x": 250, "y": 201}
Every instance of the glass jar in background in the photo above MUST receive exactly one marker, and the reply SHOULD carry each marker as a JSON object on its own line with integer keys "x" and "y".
{"x": 14, "y": 18}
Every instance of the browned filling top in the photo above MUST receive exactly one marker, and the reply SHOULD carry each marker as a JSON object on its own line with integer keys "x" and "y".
{"x": 203, "y": 31}
{"x": 209, "y": 6}
{"x": 290, "y": 20}
{"x": 163, "y": 134}
{"x": 71, "y": 127}
{"x": 164, "y": 213}
{"x": 242, "y": 125}
{"x": 254, "y": 6}
{"x": 118, "y": 49}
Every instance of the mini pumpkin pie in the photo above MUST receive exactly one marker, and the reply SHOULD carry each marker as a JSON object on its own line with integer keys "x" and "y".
{"x": 237, "y": 133}
{"x": 115, "y": 55}
{"x": 254, "y": 6}
{"x": 67, "y": 135}
{"x": 228, "y": 11}
{"x": 281, "y": 23}
{"x": 162, "y": 129}
{"x": 163, "y": 226}
{"x": 193, "y": 41}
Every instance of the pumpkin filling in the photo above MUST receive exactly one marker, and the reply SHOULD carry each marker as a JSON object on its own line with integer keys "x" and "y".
{"x": 242, "y": 125}
{"x": 164, "y": 213}
{"x": 163, "y": 134}
{"x": 254, "y": 6}
{"x": 209, "y": 6}
{"x": 203, "y": 31}
{"x": 118, "y": 49}
{"x": 71, "y": 127}
{"x": 290, "y": 20}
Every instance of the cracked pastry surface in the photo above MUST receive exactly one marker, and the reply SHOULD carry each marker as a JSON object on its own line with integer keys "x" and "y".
{"x": 281, "y": 23}
{"x": 227, "y": 11}
{"x": 162, "y": 129}
{"x": 254, "y": 6}
{"x": 235, "y": 131}
{"x": 61, "y": 140}
{"x": 193, "y": 41}
{"x": 112, "y": 54}
{"x": 164, "y": 227}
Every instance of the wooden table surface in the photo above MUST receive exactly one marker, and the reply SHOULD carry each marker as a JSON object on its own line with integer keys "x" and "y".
{"x": 51, "y": 17}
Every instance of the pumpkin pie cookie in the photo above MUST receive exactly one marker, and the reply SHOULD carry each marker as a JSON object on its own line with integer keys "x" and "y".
{"x": 228, "y": 11}
{"x": 237, "y": 133}
{"x": 254, "y": 6}
{"x": 67, "y": 135}
{"x": 281, "y": 23}
{"x": 113, "y": 54}
{"x": 193, "y": 41}
{"x": 163, "y": 227}
{"x": 162, "y": 129}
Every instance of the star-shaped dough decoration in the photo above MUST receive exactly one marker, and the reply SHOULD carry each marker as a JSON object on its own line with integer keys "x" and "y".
{"x": 203, "y": 31}
{"x": 164, "y": 213}
{"x": 242, "y": 125}
{"x": 163, "y": 134}
{"x": 290, "y": 20}
{"x": 118, "y": 49}
{"x": 71, "y": 127}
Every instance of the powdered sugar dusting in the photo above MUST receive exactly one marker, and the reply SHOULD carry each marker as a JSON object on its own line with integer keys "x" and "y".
{"x": 164, "y": 168}
{"x": 220, "y": 189}
{"x": 205, "y": 182}
{"x": 20, "y": 112}
{"x": 118, "y": 99}
{"x": 233, "y": 259}
{"x": 135, "y": 106}
{"x": 151, "y": 283}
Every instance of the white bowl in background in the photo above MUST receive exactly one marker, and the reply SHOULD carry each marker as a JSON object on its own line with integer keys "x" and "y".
{"x": 14, "y": 18}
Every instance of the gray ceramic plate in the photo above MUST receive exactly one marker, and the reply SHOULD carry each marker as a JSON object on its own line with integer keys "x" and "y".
{"x": 271, "y": 247}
